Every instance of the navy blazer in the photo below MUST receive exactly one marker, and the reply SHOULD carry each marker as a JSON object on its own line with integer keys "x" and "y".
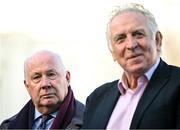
{"x": 159, "y": 106}
{"x": 21, "y": 121}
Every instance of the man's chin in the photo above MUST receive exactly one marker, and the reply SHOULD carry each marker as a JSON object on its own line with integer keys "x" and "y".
{"x": 136, "y": 70}
{"x": 48, "y": 102}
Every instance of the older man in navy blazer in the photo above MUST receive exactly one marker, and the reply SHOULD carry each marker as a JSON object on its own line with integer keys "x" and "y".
{"x": 52, "y": 104}
{"x": 147, "y": 95}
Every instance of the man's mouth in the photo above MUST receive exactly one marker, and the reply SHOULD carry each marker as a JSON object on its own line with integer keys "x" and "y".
{"x": 133, "y": 56}
{"x": 49, "y": 95}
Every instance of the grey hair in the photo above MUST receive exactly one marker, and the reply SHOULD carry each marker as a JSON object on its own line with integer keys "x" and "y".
{"x": 55, "y": 55}
{"x": 131, "y": 7}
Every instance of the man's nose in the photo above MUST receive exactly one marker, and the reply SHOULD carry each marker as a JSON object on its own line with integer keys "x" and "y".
{"x": 131, "y": 43}
{"x": 45, "y": 82}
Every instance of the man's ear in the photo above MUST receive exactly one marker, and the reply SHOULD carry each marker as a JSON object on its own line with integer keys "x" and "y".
{"x": 113, "y": 55}
{"x": 68, "y": 76}
{"x": 25, "y": 84}
{"x": 158, "y": 39}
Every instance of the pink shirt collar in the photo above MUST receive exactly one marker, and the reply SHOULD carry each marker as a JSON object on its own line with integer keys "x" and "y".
{"x": 147, "y": 76}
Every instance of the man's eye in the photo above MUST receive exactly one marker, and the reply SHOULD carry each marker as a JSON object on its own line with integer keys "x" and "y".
{"x": 36, "y": 78}
{"x": 120, "y": 39}
{"x": 52, "y": 75}
{"x": 139, "y": 34}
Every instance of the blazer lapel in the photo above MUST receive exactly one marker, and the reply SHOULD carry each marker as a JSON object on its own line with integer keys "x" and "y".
{"x": 31, "y": 115}
{"x": 24, "y": 119}
{"x": 106, "y": 107}
{"x": 158, "y": 80}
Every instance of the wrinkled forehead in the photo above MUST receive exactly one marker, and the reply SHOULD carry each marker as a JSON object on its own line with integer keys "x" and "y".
{"x": 43, "y": 60}
{"x": 145, "y": 17}
{"x": 128, "y": 15}
{"x": 42, "y": 57}
{"x": 129, "y": 21}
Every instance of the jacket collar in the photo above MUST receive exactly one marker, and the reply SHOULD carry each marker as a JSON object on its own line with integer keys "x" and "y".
{"x": 156, "y": 83}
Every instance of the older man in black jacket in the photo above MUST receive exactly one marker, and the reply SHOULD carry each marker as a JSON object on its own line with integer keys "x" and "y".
{"x": 147, "y": 95}
{"x": 52, "y": 104}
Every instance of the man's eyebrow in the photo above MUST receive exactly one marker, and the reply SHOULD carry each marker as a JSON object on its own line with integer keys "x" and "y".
{"x": 51, "y": 70}
{"x": 36, "y": 73}
{"x": 139, "y": 30}
{"x": 118, "y": 35}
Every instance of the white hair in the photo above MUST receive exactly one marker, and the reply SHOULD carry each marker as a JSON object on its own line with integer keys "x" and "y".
{"x": 55, "y": 55}
{"x": 131, "y": 7}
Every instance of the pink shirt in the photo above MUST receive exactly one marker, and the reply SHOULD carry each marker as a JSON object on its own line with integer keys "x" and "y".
{"x": 123, "y": 112}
